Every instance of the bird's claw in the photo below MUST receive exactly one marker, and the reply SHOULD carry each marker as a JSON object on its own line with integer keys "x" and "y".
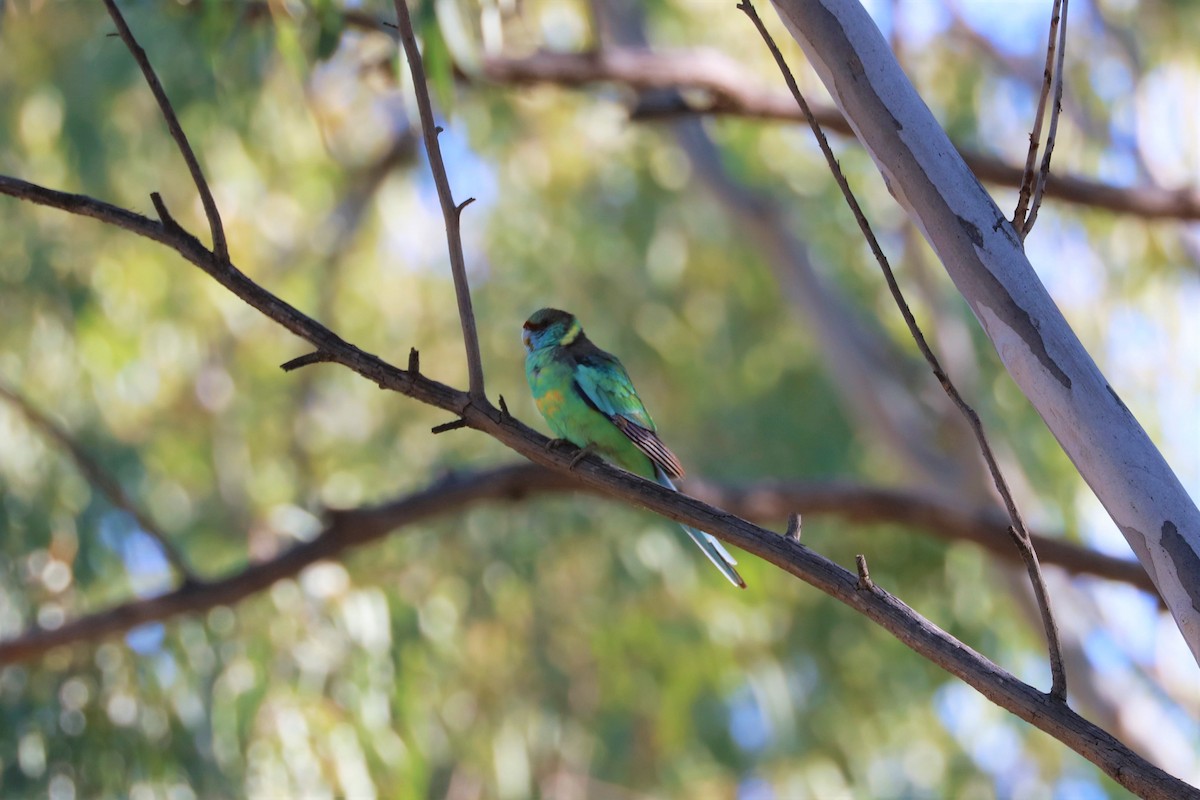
{"x": 580, "y": 456}
{"x": 552, "y": 444}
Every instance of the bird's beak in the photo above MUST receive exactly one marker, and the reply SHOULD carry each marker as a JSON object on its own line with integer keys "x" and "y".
{"x": 527, "y": 339}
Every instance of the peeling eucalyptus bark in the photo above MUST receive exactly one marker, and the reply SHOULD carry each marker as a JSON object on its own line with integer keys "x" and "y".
{"x": 983, "y": 256}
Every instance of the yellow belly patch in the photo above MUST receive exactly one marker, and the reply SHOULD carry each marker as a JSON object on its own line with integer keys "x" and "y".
{"x": 550, "y": 403}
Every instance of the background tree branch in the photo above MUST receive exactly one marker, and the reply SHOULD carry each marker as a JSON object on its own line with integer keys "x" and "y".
{"x": 734, "y": 92}
{"x": 767, "y": 502}
{"x": 101, "y": 480}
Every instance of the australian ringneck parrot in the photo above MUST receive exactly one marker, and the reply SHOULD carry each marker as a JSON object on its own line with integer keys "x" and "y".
{"x": 587, "y": 398}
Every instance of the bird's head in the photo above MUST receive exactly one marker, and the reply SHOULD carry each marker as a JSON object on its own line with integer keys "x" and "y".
{"x": 548, "y": 327}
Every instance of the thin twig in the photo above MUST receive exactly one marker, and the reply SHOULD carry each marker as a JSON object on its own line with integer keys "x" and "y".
{"x": 1055, "y": 111}
{"x": 101, "y": 480}
{"x": 305, "y": 360}
{"x": 1035, "y": 136}
{"x": 450, "y": 212}
{"x": 793, "y": 527}
{"x": 864, "y": 575}
{"x": 220, "y": 247}
{"x": 445, "y": 427}
{"x": 1058, "y": 689}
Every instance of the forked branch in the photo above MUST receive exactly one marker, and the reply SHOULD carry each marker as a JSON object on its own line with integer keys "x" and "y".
{"x": 1033, "y": 184}
{"x": 1052, "y": 134}
{"x": 220, "y": 247}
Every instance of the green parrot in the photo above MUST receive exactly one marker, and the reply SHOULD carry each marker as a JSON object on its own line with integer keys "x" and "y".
{"x": 587, "y": 398}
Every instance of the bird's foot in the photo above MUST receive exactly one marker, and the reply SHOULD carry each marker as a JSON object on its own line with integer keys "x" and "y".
{"x": 580, "y": 456}
{"x": 554, "y": 444}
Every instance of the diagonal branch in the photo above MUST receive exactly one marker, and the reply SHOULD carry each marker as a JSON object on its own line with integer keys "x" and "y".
{"x": 220, "y": 247}
{"x": 1019, "y": 532}
{"x": 450, "y": 212}
{"x": 101, "y": 480}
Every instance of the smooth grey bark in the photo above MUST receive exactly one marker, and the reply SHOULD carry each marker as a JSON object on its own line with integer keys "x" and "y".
{"x": 985, "y": 259}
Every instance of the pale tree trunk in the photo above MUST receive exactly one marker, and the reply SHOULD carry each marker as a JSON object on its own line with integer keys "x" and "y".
{"x": 985, "y": 259}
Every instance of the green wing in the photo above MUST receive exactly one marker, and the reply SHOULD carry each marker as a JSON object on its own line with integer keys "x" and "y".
{"x": 606, "y": 386}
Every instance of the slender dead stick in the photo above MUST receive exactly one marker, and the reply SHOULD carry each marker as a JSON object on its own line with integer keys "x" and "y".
{"x": 220, "y": 247}
{"x": 1055, "y": 111}
{"x": 451, "y": 212}
{"x": 1019, "y": 532}
{"x": 1035, "y": 136}
{"x": 101, "y": 480}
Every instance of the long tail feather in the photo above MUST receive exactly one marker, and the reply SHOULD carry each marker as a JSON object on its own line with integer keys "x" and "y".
{"x": 708, "y": 543}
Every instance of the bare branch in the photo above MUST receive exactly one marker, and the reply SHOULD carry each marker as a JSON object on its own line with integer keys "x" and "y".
{"x": 305, "y": 360}
{"x": 864, "y": 575}
{"x": 1052, "y": 132}
{"x": 101, "y": 480}
{"x": 220, "y": 247}
{"x": 793, "y": 527}
{"x": 733, "y": 92}
{"x": 450, "y": 212}
{"x": 445, "y": 427}
{"x": 1058, "y": 689}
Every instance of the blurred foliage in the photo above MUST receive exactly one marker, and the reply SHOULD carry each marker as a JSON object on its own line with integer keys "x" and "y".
{"x": 566, "y": 647}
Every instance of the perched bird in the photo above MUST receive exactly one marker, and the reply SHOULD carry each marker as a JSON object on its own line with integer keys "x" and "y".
{"x": 587, "y": 398}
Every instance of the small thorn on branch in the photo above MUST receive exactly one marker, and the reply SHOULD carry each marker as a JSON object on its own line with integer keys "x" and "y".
{"x": 452, "y": 425}
{"x": 504, "y": 415}
{"x": 318, "y": 357}
{"x": 793, "y": 528}
{"x": 864, "y": 576}
{"x": 458, "y": 209}
{"x": 414, "y": 361}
